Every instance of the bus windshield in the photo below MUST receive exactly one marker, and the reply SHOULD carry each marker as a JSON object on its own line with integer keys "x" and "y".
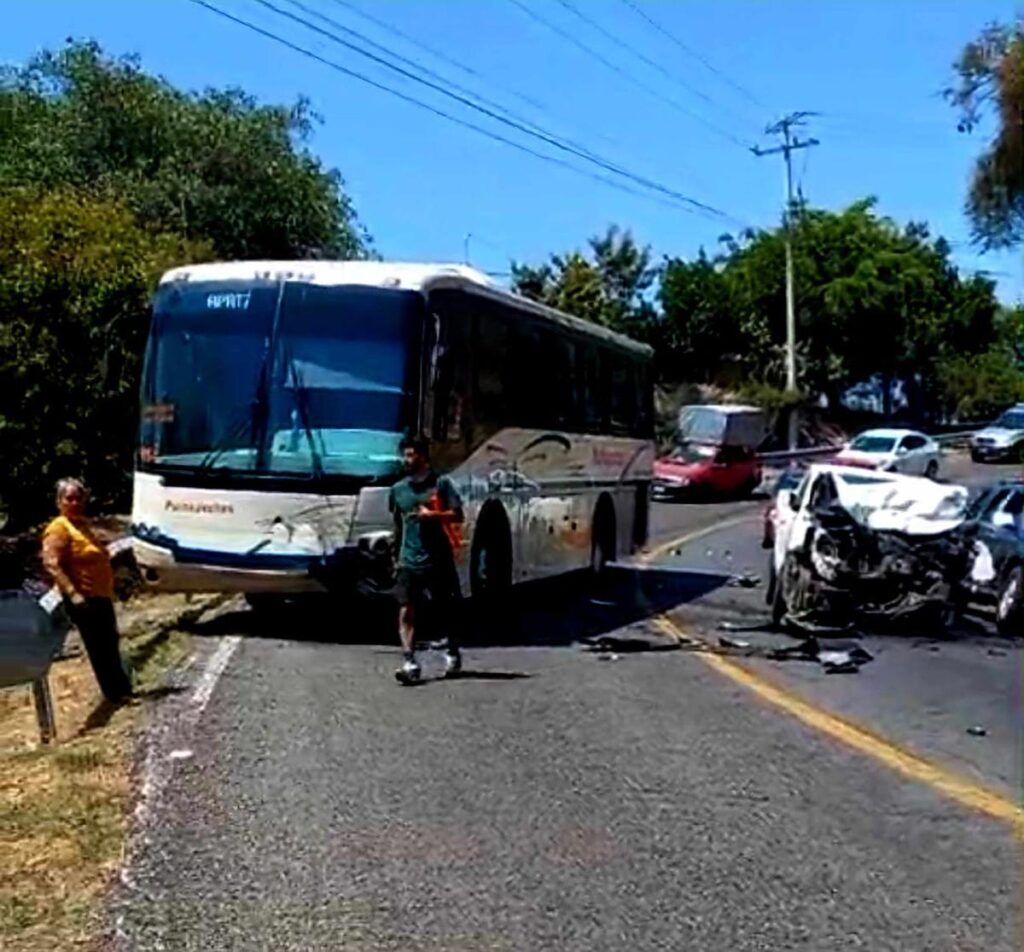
{"x": 284, "y": 379}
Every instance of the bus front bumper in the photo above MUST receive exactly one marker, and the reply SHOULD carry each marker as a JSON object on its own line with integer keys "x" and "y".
{"x": 351, "y": 567}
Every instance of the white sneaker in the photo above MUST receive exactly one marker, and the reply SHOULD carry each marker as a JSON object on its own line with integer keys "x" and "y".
{"x": 452, "y": 664}
{"x": 409, "y": 673}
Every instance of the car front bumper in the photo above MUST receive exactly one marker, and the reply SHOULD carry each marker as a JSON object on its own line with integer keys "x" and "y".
{"x": 991, "y": 450}
{"x": 665, "y": 490}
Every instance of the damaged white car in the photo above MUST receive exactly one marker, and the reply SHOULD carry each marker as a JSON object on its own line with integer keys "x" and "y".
{"x": 853, "y": 547}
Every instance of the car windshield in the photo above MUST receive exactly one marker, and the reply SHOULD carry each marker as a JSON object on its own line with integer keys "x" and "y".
{"x": 693, "y": 453}
{"x": 1011, "y": 420}
{"x": 869, "y": 443}
{"x": 858, "y": 479}
{"x": 280, "y": 378}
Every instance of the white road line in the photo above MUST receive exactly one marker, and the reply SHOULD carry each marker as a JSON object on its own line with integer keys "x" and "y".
{"x": 209, "y": 678}
{"x": 166, "y": 739}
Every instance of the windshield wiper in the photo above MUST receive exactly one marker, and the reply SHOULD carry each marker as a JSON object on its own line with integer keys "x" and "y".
{"x": 225, "y": 444}
{"x": 302, "y": 405}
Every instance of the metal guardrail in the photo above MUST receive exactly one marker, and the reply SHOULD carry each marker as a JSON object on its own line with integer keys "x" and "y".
{"x": 32, "y": 631}
{"x": 810, "y": 452}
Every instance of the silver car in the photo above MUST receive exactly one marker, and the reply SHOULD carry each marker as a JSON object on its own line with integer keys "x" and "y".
{"x": 1001, "y": 440}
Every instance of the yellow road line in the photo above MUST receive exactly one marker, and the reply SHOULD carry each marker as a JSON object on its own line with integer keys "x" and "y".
{"x": 689, "y": 537}
{"x": 910, "y": 765}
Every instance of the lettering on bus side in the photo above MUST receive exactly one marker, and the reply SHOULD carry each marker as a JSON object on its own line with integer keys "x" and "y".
{"x": 229, "y": 301}
{"x": 608, "y": 457}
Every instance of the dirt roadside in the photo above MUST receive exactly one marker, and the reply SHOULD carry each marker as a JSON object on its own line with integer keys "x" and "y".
{"x": 63, "y": 808}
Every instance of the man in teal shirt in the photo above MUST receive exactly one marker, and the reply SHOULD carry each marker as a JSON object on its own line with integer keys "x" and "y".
{"x": 425, "y": 507}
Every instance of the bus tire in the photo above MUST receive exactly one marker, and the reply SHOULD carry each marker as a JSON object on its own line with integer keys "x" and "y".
{"x": 490, "y": 565}
{"x": 602, "y": 539}
{"x": 641, "y": 516}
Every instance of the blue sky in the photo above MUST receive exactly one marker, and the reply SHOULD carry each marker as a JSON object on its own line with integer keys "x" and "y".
{"x": 872, "y": 68}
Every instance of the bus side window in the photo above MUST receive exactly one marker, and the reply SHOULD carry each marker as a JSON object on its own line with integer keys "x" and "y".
{"x": 623, "y": 393}
{"x": 644, "y": 419}
{"x": 492, "y": 341}
{"x": 563, "y": 383}
{"x": 547, "y": 381}
{"x": 451, "y": 391}
{"x": 594, "y": 393}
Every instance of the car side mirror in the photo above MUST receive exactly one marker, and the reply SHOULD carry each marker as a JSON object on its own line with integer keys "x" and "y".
{"x": 901, "y": 451}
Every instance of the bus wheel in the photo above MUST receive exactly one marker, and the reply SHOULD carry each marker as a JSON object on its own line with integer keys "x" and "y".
{"x": 490, "y": 568}
{"x": 602, "y": 545}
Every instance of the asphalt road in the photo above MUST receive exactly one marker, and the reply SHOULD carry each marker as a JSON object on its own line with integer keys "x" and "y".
{"x": 555, "y": 798}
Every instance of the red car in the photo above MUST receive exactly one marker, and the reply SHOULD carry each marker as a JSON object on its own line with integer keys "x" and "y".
{"x": 698, "y": 470}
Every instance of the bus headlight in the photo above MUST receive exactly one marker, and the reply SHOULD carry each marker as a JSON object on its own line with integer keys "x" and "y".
{"x": 376, "y": 544}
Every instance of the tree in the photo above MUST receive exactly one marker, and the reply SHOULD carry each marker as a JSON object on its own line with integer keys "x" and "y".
{"x": 213, "y": 166}
{"x": 699, "y": 329}
{"x": 871, "y": 298}
{"x": 990, "y": 74}
{"x": 607, "y": 289}
{"x": 76, "y": 273}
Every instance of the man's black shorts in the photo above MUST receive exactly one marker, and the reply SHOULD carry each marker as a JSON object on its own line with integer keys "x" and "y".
{"x": 418, "y": 586}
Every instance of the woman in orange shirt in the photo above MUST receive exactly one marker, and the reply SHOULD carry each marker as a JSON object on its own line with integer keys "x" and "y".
{"x": 80, "y": 566}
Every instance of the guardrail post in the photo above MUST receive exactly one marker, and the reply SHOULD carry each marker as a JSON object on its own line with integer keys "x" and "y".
{"x": 44, "y": 709}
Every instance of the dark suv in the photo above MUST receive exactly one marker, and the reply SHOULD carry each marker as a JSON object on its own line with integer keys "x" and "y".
{"x": 995, "y": 574}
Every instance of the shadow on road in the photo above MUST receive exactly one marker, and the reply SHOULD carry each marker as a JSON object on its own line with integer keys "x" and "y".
{"x": 554, "y": 612}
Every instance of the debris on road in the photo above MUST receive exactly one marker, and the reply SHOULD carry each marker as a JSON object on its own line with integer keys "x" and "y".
{"x": 977, "y": 731}
{"x": 835, "y": 656}
{"x": 746, "y": 580}
{"x": 733, "y": 643}
{"x": 612, "y": 644}
{"x": 763, "y": 624}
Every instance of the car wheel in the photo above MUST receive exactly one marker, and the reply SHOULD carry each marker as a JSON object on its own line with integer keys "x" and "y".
{"x": 778, "y": 601}
{"x": 932, "y": 469}
{"x": 976, "y": 457}
{"x": 1010, "y": 603}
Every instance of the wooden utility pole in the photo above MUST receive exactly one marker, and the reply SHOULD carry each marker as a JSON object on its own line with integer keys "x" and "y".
{"x": 789, "y": 144}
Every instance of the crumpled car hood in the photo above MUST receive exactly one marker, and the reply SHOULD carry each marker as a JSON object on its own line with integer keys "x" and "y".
{"x": 911, "y": 505}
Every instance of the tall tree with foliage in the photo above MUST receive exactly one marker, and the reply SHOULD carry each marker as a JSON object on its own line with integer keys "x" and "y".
{"x": 213, "y": 166}
{"x": 108, "y": 176}
{"x": 76, "y": 273}
{"x": 871, "y": 298}
{"x": 990, "y": 82}
{"x": 608, "y": 288}
{"x": 698, "y": 332}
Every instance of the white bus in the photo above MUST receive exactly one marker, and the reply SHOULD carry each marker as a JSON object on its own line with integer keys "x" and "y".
{"x": 275, "y": 394}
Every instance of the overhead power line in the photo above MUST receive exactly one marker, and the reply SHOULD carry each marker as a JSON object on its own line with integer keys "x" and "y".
{"x": 437, "y": 54}
{"x": 536, "y": 104}
{"x": 535, "y": 133}
{"x": 742, "y": 90}
{"x": 437, "y": 77}
{"x": 644, "y": 58}
{"x": 691, "y": 205}
{"x": 619, "y": 71}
